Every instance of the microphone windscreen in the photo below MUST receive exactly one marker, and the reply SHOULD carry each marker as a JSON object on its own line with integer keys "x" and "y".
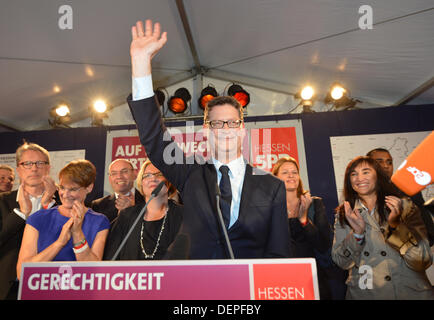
{"x": 416, "y": 172}
{"x": 158, "y": 189}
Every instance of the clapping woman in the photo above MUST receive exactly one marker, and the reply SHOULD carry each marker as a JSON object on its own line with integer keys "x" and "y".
{"x": 71, "y": 231}
{"x": 380, "y": 238}
{"x": 310, "y": 229}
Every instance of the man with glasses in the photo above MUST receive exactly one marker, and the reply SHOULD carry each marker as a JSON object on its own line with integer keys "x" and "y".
{"x": 252, "y": 203}
{"x": 36, "y": 191}
{"x": 121, "y": 177}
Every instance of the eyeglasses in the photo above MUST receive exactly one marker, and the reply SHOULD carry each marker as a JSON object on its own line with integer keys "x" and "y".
{"x": 117, "y": 173}
{"x": 150, "y": 175}
{"x": 29, "y": 164}
{"x": 72, "y": 190}
{"x": 219, "y": 124}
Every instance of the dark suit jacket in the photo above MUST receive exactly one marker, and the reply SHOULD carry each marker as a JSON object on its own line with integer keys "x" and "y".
{"x": 106, "y": 205}
{"x": 261, "y": 230}
{"x": 11, "y": 233}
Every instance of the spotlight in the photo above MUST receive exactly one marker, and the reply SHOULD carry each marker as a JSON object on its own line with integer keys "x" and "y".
{"x": 160, "y": 97}
{"x": 60, "y": 115}
{"x": 178, "y": 103}
{"x": 306, "y": 95}
{"x": 240, "y": 94}
{"x": 206, "y": 95}
{"x": 338, "y": 97}
{"x": 62, "y": 110}
{"x": 100, "y": 106}
{"x": 99, "y": 112}
{"x": 337, "y": 92}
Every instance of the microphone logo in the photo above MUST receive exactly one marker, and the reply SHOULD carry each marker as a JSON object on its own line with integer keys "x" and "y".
{"x": 421, "y": 177}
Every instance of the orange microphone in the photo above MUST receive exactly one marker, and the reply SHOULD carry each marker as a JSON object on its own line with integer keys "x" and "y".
{"x": 417, "y": 171}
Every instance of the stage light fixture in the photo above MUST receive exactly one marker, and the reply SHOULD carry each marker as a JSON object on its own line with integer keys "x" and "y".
{"x": 98, "y": 112}
{"x": 240, "y": 94}
{"x": 60, "y": 115}
{"x": 62, "y": 110}
{"x": 337, "y": 92}
{"x": 160, "y": 97}
{"x": 338, "y": 97}
{"x": 100, "y": 106}
{"x": 178, "y": 103}
{"x": 307, "y": 93}
{"x": 206, "y": 95}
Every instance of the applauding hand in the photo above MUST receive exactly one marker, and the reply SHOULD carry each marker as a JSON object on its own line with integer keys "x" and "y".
{"x": 305, "y": 202}
{"x": 78, "y": 212}
{"x": 354, "y": 218}
{"x": 395, "y": 206}
{"x": 49, "y": 190}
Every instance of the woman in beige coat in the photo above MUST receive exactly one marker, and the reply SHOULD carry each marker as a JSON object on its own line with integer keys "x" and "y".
{"x": 380, "y": 238}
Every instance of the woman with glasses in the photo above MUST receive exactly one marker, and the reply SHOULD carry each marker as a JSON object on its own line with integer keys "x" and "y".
{"x": 70, "y": 231}
{"x": 157, "y": 230}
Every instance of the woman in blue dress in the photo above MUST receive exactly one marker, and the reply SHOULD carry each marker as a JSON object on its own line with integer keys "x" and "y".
{"x": 71, "y": 231}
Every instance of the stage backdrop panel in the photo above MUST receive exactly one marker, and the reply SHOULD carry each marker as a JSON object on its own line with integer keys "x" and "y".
{"x": 400, "y": 145}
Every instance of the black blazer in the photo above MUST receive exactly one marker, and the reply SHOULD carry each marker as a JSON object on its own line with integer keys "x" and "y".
{"x": 132, "y": 248}
{"x": 11, "y": 234}
{"x": 106, "y": 205}
{"x": 261, "y": 230}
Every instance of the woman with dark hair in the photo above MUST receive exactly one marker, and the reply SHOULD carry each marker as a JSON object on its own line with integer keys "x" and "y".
{"x": 159, "y": 227}
{"x": 310, "y": 230}
{"x": 71, "y": 231}
{"x": 380, "y": 238}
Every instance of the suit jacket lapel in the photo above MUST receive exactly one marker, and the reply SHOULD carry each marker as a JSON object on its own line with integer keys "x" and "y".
{"x": 248, "y": 185}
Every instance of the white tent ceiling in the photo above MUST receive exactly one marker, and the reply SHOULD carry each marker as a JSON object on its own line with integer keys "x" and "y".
{"x": 274, "y": 44}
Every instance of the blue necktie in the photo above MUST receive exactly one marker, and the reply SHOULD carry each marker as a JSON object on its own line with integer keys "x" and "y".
{"x": 226, "y": 192}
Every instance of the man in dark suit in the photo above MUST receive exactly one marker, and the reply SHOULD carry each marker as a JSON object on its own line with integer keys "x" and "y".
{"x": 121, "y": 177}
{"x": 253, "y": 203}
{"x": 36, "y": 191}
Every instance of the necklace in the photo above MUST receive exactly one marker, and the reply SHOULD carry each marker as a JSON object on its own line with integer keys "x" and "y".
{"x": 151, "y": 256}
{"x": 297, "y": 208}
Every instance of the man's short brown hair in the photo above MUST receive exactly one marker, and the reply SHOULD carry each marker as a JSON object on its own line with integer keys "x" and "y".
{"x": 219, "y": 101}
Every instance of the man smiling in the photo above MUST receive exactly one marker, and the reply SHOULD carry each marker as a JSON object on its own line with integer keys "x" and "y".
{"x": 252, "y": 203}
{"x": 121, "y": 177}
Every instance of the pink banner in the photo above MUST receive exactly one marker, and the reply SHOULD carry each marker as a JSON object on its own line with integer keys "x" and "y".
{"x": 288, "y": 279}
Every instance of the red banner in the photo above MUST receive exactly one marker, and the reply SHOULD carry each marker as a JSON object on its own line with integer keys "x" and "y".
{"x": 270, "y": 144}
{"x": 129, "y": 148}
